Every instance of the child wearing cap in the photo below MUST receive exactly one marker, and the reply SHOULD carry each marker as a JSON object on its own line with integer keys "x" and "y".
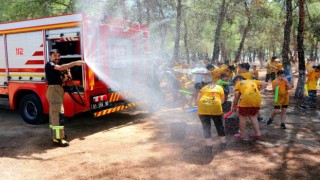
{"x": 282, "y": 101}
{"x": 278, "y": 66}
{"x": 311, "y": 100}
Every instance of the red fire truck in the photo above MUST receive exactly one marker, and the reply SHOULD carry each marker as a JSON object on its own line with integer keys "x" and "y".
{"x": 24, "y": 48}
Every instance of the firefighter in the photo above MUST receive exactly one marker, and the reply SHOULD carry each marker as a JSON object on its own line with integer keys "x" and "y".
{"x": 55, "y": 95}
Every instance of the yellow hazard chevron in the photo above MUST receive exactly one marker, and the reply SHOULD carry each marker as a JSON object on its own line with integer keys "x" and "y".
{"x": 115, "y": 109}
{"x": 114, "y": 97}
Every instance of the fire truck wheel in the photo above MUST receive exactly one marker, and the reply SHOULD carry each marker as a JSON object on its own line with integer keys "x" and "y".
{"x": 30, "y": 108}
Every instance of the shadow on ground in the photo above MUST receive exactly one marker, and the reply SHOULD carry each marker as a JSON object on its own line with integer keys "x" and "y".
{"x": 20, "y": 140}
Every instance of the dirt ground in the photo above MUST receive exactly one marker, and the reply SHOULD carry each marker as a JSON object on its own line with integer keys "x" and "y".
{"x": 138, "y": 145}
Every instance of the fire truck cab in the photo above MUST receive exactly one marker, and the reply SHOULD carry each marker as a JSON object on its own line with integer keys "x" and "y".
{"x": 24, "y": 51}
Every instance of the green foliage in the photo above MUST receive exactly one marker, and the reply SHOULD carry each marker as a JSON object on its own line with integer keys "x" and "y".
{"x": 267, "y": 18}
{"x": 26, "y": 9}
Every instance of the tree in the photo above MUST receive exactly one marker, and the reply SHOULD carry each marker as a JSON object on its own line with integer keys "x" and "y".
{"x": 139, "y": 11}
{"x": 287, "y": 32}
{"x": 300, "y": 39}
{"x": 222, "y": 14}
{"x": 176, "y": 50}
{"x": 124, "y": 9}
{"x": 163, "y": 29}
{"x": 186, "y": 40}
{"x": 286, "y": 38}
{"x": 245, "y": 32}
{"x": 22, "y": 9}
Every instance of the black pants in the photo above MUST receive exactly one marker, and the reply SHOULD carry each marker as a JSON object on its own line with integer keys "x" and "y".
{"x": 310, "y": 100}
{"x": 206, "y": 125}
{"x": 271, "y": 76}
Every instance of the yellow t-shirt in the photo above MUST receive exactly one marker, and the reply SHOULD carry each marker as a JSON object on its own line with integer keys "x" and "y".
{"x": 312, "y": 80}
{"x": 246, "y": 75}
{"x": 255, "y": 73}
{"x": 278, "y": 67}
{"x": 215, "y": 74}
{"x": 283, "y": 89}
{"x": 228, "y": 73}
{"x": 210, "y": 101}
{"x": 183, "y": 81}
{"x": 249, "y": 93}
{"x": 224, "y": 66}
{"x": 283, "y": 95}
{"x": 270, "y": 67}
{"x": 308, "y": 65}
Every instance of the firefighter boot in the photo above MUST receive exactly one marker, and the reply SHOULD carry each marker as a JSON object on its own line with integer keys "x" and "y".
{"x": 58, "y": 136}
{"x": 60, "y": 142}
{"x": 61, "y": 123}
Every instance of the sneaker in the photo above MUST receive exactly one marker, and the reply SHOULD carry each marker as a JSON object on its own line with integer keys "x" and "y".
{"x": 208, "y": 149}
{"x": 60, "y": 142}
{"x": 302, "y": 107}
{"x": 260, "y": 119}
{"x": 269, "y": 121}
{"x": 254, "y": 137}
{"x": 223, "y": 146}
{"x": 283, "y": 126}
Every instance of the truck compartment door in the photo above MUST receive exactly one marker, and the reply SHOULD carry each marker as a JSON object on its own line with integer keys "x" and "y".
{"x": 3, "y": 64}
{"x": 26, "y": 56}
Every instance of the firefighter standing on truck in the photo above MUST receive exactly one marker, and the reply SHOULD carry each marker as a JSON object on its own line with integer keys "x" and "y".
{"x": 55, "y": 95}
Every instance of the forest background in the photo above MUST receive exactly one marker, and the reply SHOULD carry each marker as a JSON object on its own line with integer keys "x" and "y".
{"x": 189, "y": 30}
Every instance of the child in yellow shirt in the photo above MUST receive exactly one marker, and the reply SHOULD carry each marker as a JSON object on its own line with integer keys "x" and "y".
{"x": 282, "y": 101}
{"x": 244, "y": 69}
{"x": 255, "y": 73}
{"x": 311, "y": 100}
{"x": 209, "y": 101}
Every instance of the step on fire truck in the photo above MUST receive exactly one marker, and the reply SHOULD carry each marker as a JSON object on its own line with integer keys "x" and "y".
{"x": 24, "y": 48}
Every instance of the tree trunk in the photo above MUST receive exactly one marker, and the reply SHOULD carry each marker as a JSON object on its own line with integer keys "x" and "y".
{"x": 316, "y": 51}
{"x": 287, "y": 33}
{"x": 300, "y": 37}
{"x": 149, "y": 8}
{"x": 261, "y": 57}
{"x": 254, "y": 55}
{"x": 243, "y": 56}
{"x": 194, "y": 57}
{"x": 274, "y": 50}
{"x": 186, "y": 45}
{"x": 124, "y": 9}
{"x": 163, "y": 31}
{"x": 295, "y": 51}
{"x": 250, "y": 54}
{"x": 224, "y": 53}
{"x": 286, "y": 39}
{"x": 245, "y": 32}
{"x": 178, "y": 28}
{"x": 139, "y": 13}
{"x": 216, "y": 49}
{"x": 313, "y": 44}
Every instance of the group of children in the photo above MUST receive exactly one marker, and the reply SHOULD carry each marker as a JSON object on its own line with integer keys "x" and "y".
{"x": 211, "y": 93}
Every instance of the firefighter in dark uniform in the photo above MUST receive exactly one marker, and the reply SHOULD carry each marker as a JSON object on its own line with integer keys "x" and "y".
{"x": 55, "y": 95}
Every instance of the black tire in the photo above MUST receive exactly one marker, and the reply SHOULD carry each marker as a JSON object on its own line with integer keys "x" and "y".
{"x": 31, "y": 110}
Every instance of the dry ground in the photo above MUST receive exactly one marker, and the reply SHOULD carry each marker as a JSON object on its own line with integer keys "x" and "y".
{"x": 138, "y": 145}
